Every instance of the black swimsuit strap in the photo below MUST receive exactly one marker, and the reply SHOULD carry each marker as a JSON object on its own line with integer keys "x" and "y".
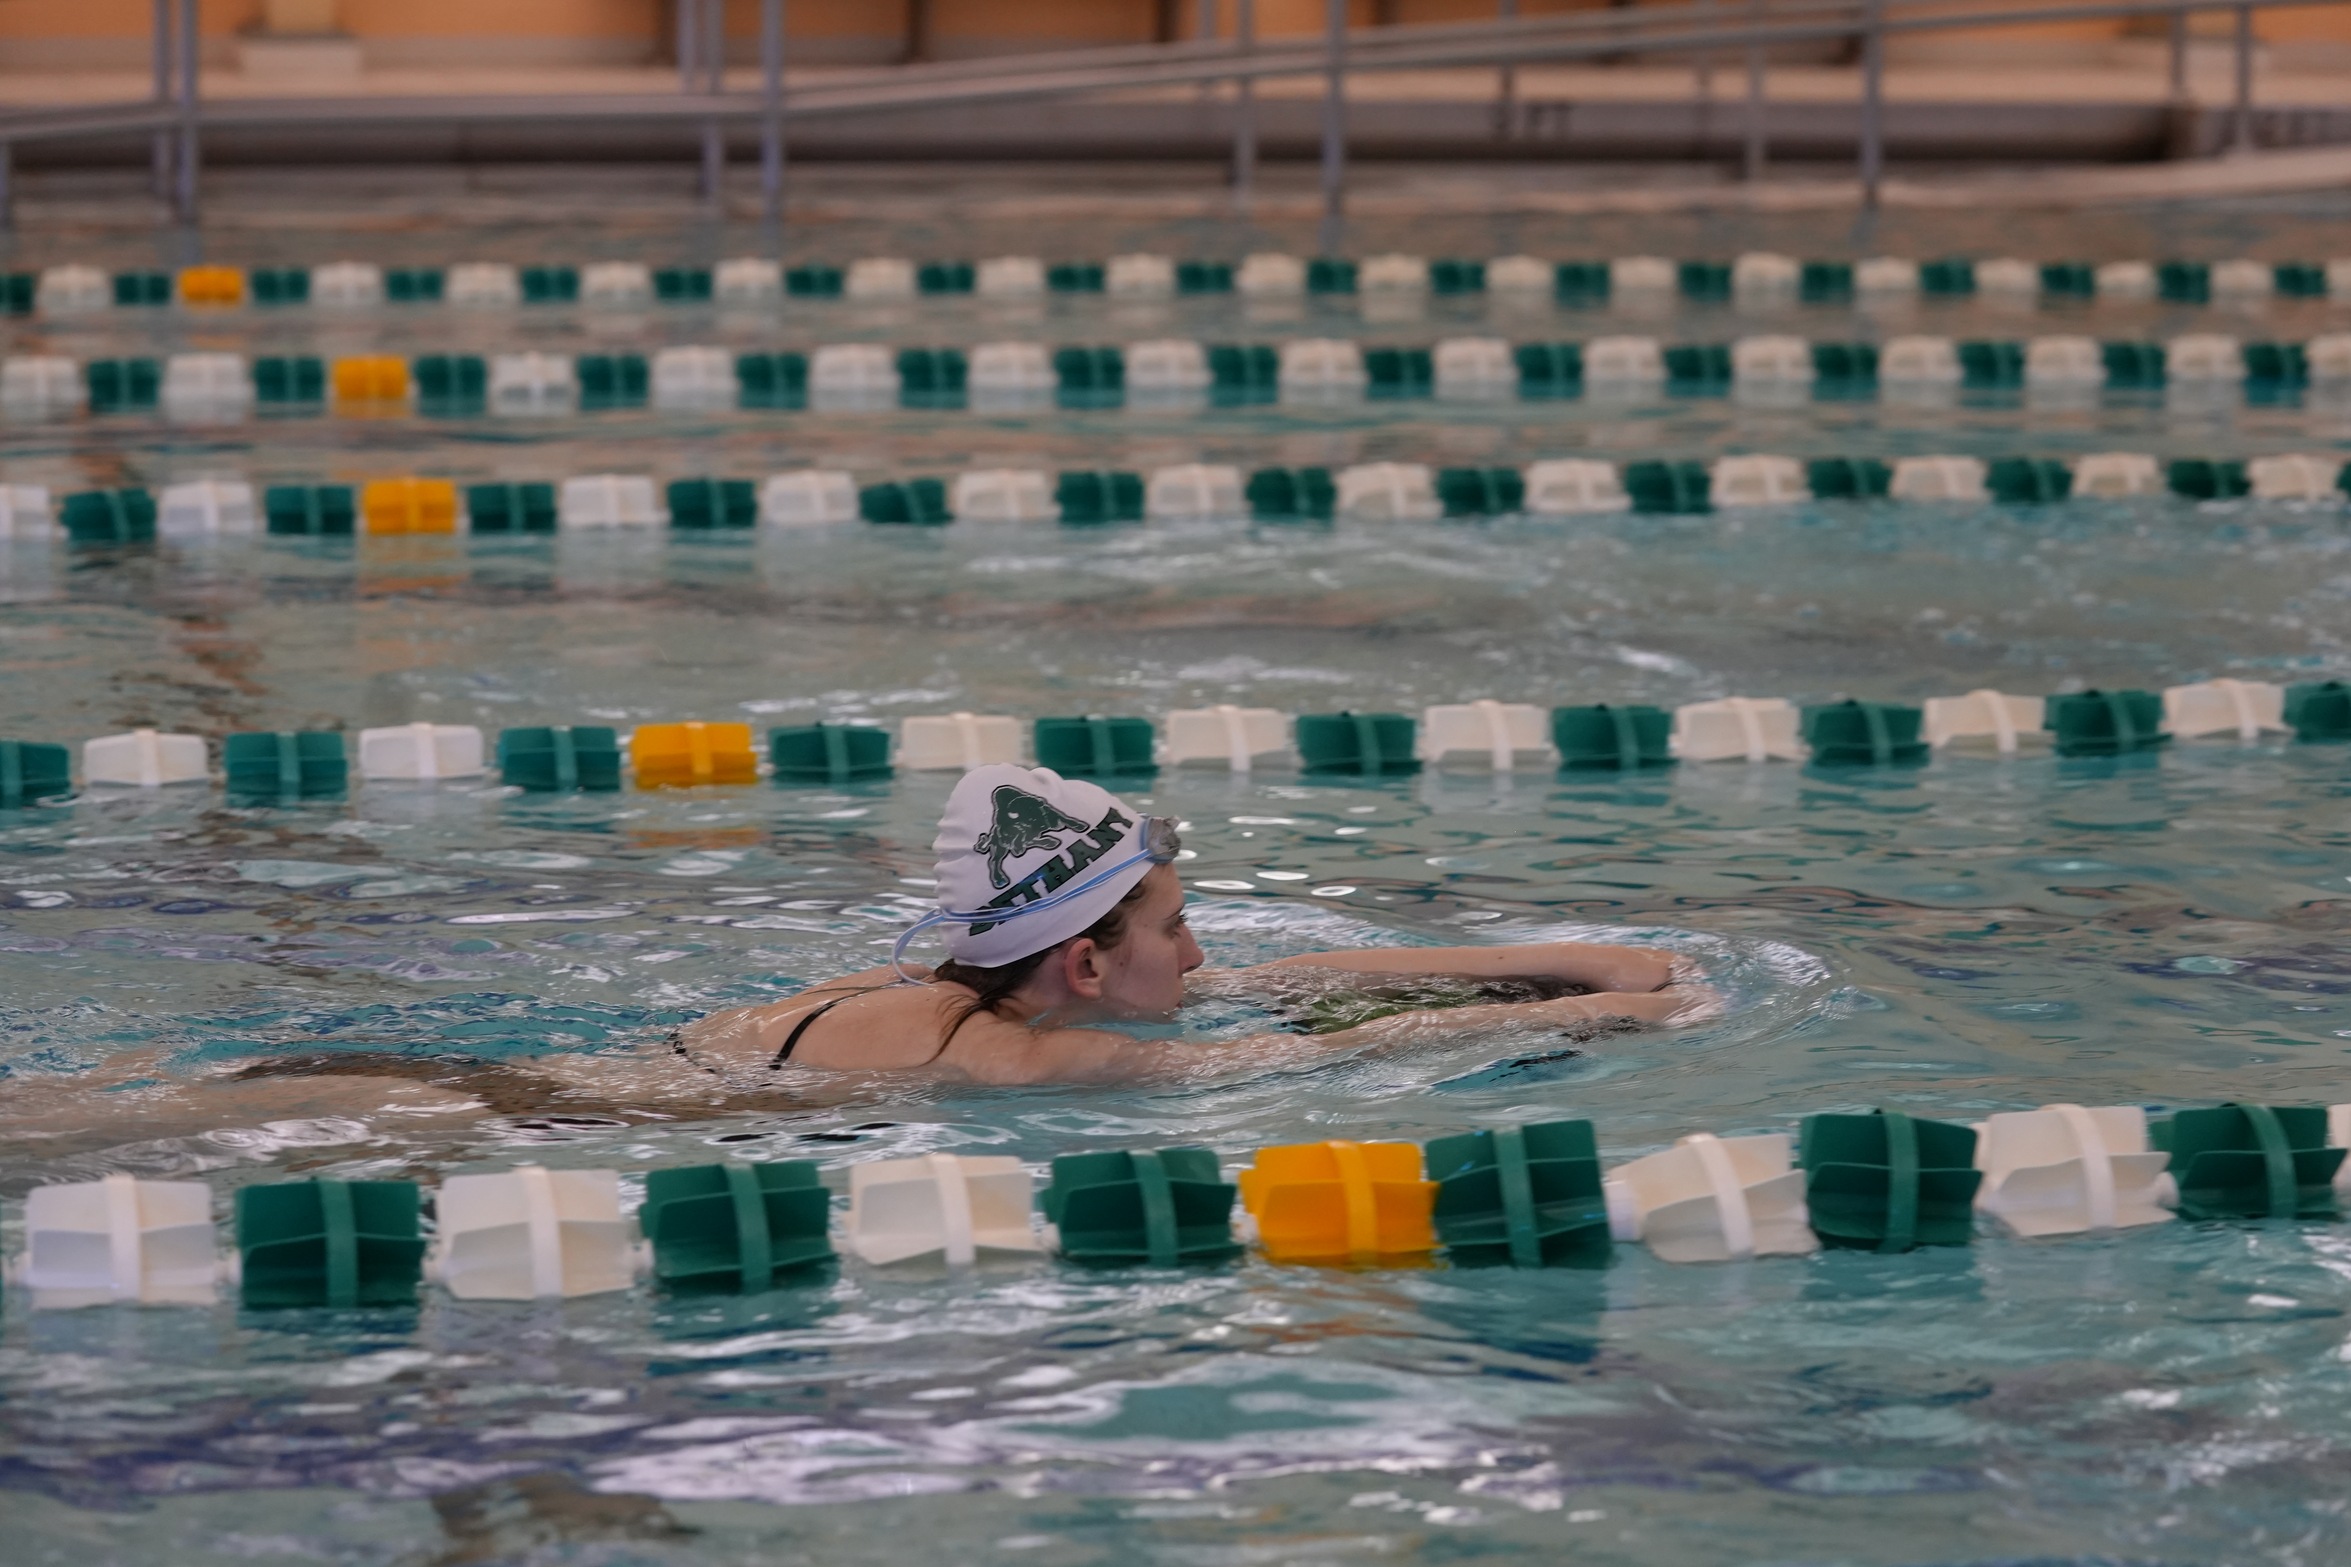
{"x": 802, "y": 1027}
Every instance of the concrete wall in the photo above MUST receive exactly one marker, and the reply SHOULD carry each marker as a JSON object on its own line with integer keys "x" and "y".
{"x": 90, "y": 34}
{"x": 84, "y": 34}
{"x": 504, "y": 32}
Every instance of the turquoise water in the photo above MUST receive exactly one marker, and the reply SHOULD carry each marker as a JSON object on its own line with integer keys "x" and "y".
{"x": 1976, "y": 936}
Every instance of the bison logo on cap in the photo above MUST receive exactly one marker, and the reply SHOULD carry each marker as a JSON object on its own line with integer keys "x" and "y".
{"x": 1020, "y": 823}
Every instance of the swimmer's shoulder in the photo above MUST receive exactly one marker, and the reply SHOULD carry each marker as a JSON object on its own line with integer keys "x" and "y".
{"x": 868, "y": 1021}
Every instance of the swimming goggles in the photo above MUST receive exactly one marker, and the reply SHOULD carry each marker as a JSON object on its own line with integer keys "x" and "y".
{"x": 1160, "y": 844}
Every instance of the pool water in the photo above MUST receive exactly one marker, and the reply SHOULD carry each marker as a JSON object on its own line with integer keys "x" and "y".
{"x": 1975, "y": 936}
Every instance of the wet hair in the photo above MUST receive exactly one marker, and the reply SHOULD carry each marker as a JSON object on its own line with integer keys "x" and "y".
{"x": 992, "y": 987}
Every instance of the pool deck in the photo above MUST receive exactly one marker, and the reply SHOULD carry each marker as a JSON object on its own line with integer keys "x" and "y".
{"x": 2121, "y": 108}
{"x": 390, "y": 196}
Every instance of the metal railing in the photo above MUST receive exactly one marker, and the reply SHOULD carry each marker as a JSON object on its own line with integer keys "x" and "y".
{"x": 177, "y": 115}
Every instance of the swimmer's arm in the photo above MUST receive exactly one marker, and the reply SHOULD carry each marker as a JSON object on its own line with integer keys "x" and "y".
{"x": 1602, "y": 968}
{"x": 1095, "y": 1055}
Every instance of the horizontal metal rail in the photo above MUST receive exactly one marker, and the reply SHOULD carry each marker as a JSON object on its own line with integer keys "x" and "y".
{"x": 1645, "y": 30}
{"x": 1658, "y": 31}
{"x": 1059, "y": 72}
{"x": 1306, "y": 53}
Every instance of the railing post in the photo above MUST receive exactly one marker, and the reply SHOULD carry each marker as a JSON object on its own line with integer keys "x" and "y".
{"x": 2179, "y": 57}
{"x": 7, "y": 186}
{"x": 1873, "y": 87}
{"x": 771, "y": 121}
{"x": 1702, "y": 65}
{"x": 1334, "y": 130}
{"x": 1755, "y": 140}
{"x": 1203, "y": 29}
{"x": 689, "y": 43}
{"x": 162, "y": 43}
{"x": 191, "y": 152}
{"x": 1506, "y": 99}
{"x": 2243, "y": 139}
{"x": 1244, "y": 107}
{"x": 714, "y": 71}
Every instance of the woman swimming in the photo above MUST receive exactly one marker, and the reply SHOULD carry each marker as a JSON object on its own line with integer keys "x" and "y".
{"x": 1063, "y": 918}
{"x": 1064, "y": 925}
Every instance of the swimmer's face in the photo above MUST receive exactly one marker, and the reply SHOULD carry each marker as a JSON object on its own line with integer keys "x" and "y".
{"x": 1143, "y": 976}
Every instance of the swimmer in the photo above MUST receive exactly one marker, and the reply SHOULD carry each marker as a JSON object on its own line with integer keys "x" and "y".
{"x": 1063, "y": 920}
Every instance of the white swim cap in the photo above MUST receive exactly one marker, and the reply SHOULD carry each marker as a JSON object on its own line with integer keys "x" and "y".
{"x": 1053, "y": 854}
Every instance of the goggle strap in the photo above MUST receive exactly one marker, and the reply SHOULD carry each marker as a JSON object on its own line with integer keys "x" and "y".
{"x": 1051, "y": 900}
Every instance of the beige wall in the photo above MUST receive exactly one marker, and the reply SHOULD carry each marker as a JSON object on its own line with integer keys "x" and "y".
{"x": 1043, "y": 21}
{"x": 41, "y": 33}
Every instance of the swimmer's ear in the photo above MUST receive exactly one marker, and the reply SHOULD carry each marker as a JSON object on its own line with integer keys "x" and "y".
{"x": 1081, "y": 968}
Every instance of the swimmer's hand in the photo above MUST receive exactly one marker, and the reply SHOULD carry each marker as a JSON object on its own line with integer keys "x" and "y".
{"x": 1700, "y": 1004}
{"x": 1677, "y": 1006}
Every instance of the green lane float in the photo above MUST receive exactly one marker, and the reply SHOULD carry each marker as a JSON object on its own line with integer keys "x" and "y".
{"x": 707, "y": 504}
{"x": 918, "y": 501}
{"x": 2105, "y": 723}
{"x": 290, "y": 381}
{"x": 772, "y": 381}
{"x": 285, "y": 765}
{"x": 1622, "y": 738}
{"x": 2251, "y": 1161}
{"x": 828, "y": 753}
{"x": 1675, "y": 488}
{"x": 1096, "y": 747}
{"x": 1089, "y": 377}
{"x": 415, "y": 285}
{"x": 814, "y": 282}
{"x": 342, "y": 1244}
{"x": 312, "y": 511}
{"x": 1162, "y": 1208}
{"x": 1887, "y": 1181}
{"x": 545, "y": 285}
{"x": 1480, "y": 492}
{"x": 1528, "y": 1196}
{"x": 560, "y": 758}
{"x": 736, "y": 1228}
{"x": 932, "y": 377}
{"x": 1243, "y": 373}
{"x": 1099, "y": 497}
{"x": 511, "y": 508}
{"x": 1876, "y": 734}
{"x": 2319, "y": 711}
{"x": 1549, "y": 370}
{"x": 102, "y": 517}
{"x": 608, "y": 381}
{"x": 1292, "y": 495}
{"x": 2027, "y": 481}
{"x": 1368, "y": 745}
{"x": 31, "y": 771}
